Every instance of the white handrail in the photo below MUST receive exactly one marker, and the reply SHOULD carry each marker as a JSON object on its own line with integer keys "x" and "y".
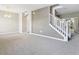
{"x": 61, "y": 25}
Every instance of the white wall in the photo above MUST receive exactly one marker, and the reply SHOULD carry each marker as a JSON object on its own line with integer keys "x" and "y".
{"x": 24, "y": 23}
{"x": 75, "y": 14}
{"x": 8, "y": 25}
{"x": 40, "y": 23}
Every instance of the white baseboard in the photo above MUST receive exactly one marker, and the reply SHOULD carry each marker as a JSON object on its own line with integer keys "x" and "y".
{"x": 15, "y": 32}
{"x": 36, "y": 35}
{"x": 48, "y": 37}
{"x": 9, "y": 33}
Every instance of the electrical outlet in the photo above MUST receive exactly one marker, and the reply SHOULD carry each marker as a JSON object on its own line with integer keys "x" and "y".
{"x": 41, "y": 31}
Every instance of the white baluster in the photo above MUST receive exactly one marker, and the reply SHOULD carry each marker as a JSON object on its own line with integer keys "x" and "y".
{"x": 66, "y": 37}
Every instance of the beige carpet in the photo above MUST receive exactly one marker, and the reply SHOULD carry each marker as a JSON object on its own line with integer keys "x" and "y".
{"x": 23, "y": 44}
{"x": 13, "y": 43}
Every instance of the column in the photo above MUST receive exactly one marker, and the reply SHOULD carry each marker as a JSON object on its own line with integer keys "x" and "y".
{"x": 29, "y": 22}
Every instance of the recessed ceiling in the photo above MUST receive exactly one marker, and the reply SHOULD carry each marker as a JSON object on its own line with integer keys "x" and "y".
{"x": 68, "y": 8}
{"x": 22, "y": 7}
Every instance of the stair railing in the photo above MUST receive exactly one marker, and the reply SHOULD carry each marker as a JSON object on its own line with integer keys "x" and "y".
{"x": 61, "y": 25}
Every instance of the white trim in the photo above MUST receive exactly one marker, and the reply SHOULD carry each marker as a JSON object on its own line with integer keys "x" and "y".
{"x": 20, "y": 22}
{"x": 9, "y": 33}
{"x": 31, "y": 23}
{"x": 48, "y": 37}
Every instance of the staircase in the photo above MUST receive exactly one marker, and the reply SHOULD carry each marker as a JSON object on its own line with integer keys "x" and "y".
{"x": 60, "y": 25}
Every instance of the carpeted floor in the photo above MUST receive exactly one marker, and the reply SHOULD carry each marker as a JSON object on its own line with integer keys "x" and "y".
{"x": 25, "y": 44}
